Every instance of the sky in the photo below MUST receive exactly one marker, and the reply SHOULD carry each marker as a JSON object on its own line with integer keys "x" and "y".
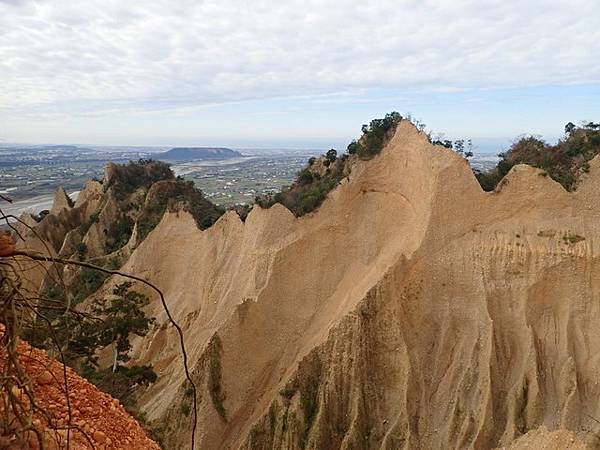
{"x": 293, "y": 73}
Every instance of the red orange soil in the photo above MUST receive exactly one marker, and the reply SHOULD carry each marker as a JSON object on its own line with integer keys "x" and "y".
{"x": 97, "y": 421}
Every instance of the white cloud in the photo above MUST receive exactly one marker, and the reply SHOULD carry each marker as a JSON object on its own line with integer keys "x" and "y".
{"x": 109, "y": 55}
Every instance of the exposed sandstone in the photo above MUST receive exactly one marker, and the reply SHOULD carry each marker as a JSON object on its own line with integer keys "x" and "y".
{"x": 61, "y": 201}
{"x": 411, "y": 311}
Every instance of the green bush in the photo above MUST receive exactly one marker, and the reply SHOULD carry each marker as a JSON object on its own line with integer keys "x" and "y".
{"x": 308, "y": 191}
{"x": 119, "y": 233}
{"x": 85, "y": 226}
{"x": 563, "y": 162}
{"x": 185, "y": 409}
{"x": 121, "y": 384}
{"x": 129, "y": 177}
{"x": 571, "y": 238}
{"x": 173, "y": 194}
{"x": 87, "y": 282}
{"x": 81, "y": 250}
{"x": 214, "y": 353}
{"x": 375, "y": 136}
{"x": 39, "y": 217}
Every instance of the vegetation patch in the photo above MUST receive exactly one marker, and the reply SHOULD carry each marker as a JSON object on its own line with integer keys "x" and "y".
{"x": 322, "y": 175}
{"x": 563, "y": 162}
{"x": 571, "y": 238}
{"x": 81, "y": 250}
{"x": 375, "y": 135}
{"x": 547, "y": 233}
{"x": 87, "y": 282}
{"x": 172, "y": 195}
{"x": 127, "y": 178}
{"x": 214, "y": 352}
{"x": 42, "y": 214}
{"x": 85, "y": 226}
{"x": 107, "y": 322}
{"x": 119, "y": 233}
{"x": 122, "y": 384}
{"x": 521, "y": 405}
{"x": 308, "y": 380}
{"x": 288, "y": 391}
{"x": 309, "y": 190}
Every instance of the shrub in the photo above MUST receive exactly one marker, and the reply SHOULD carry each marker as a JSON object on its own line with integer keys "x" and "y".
{"x": 121, "y": 384}
{"x": 331, "y": 155}
{"x": 375, "y": 136}
{"x": 214, "y": 353}
{"x": 81, "y": 250}
{"x": 310, "y": 189}
{"x": 85, "y": 226}
{"x": 119, "y": 233}
{"x": 563, "y": 162}
{"x": 127, "y": 178}
{"x": 39, "y": 217}
{"x": 185, "y": 409}
{"x": 571, "y": 238}
{"x": 171, "y": 195}
{"x": 87, "y": 282}
{"x": 305, "y": 176}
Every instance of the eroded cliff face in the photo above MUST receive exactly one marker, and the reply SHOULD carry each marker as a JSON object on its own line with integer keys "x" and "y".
{"x": 411, "y": 311}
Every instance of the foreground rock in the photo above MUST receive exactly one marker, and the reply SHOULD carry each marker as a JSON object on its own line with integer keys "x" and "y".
{"x": 91, "y": 420}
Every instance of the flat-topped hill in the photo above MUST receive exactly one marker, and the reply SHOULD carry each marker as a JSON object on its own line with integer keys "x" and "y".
{"x": 194, "y": 153}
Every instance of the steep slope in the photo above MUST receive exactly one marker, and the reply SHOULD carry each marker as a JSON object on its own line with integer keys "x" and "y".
{"x": 95, "y": 420}
{"x": 411, "y": 311}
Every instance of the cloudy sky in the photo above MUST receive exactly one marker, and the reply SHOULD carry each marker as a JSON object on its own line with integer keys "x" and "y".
{"x": 292, "y": 73}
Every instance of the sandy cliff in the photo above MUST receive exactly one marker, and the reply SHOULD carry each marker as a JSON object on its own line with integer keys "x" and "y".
{"x": 411, "y": 311}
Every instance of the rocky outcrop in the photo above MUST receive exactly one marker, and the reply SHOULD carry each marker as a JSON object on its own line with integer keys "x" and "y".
{"x": 61, "y": 201}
